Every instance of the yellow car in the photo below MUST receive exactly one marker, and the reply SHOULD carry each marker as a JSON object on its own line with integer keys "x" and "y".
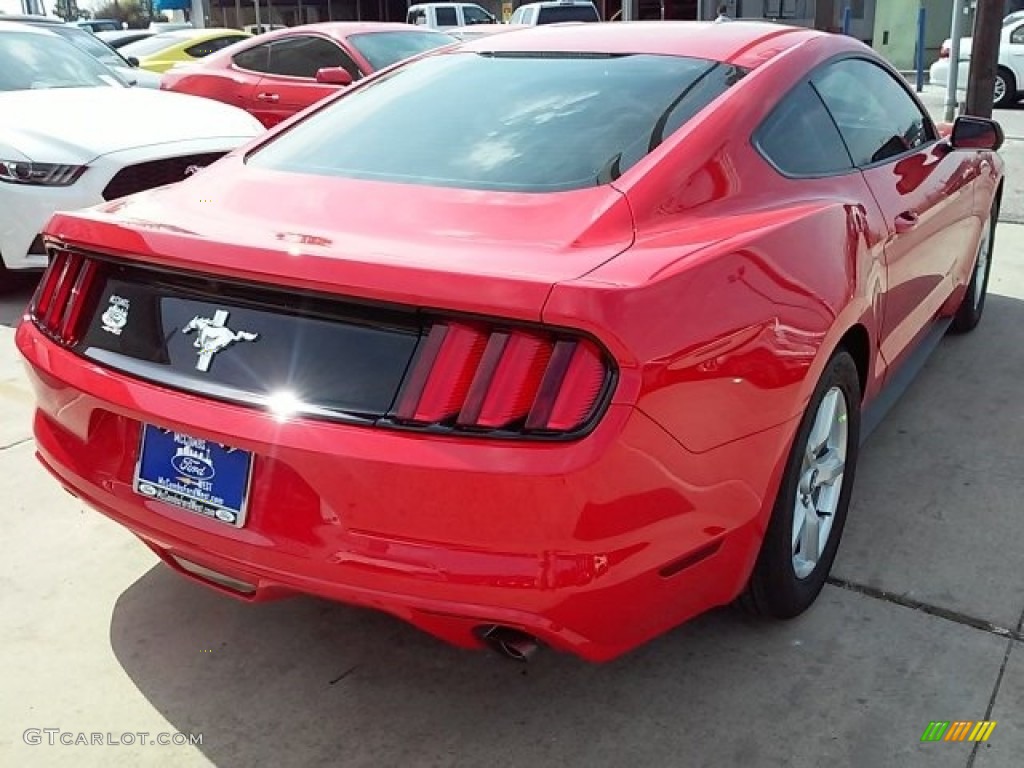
{"x": 181, "y": 46}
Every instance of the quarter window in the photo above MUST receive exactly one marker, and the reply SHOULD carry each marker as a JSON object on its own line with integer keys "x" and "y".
{"x": 800, "y": 138}
{"x": 1017, "y": 36}
{"x": 876, "y": 115}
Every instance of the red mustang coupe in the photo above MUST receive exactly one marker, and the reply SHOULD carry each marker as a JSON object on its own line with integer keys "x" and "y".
{"x": 561, "y": 337}
{"x": 277, "y": 74}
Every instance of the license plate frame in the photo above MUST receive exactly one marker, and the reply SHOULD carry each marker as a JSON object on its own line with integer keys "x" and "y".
{"x": 183, "y": 470}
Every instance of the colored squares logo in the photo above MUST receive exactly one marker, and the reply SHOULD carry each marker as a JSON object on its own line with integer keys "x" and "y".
{"x": 958, "y": 730}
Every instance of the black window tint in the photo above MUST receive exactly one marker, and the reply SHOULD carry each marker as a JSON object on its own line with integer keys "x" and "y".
{"x": 800, "y": 138}
{"x": 876, "y": 115}
{"x": 303, "y": 56}
{"x": 528, "y": 123}
{"x": 207, "y": 47}
{"x": 1017, "y": 36}
{"x": 553, "y": 14}
{"x": 446, "y": 17}
{"x": 255, "y": 59}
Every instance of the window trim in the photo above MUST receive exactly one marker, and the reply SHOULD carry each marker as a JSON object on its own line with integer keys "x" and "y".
{"x": 808, "y": 79}
{"x": 1018, "y": 28}
{"x": 296, "y": 78}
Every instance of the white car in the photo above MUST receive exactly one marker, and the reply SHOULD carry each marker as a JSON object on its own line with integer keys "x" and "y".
{"x": 73, "y": 134}
{"x": 1009, "y": 82}
{"x": 555, "y": 12}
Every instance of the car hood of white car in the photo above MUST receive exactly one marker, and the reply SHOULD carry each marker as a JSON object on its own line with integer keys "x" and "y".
{"x": 77, "y": 125}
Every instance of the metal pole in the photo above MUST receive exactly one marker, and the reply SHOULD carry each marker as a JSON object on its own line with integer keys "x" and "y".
{"x": 628, "y": 10}
{"x": 238, "y": 14}
{"x": 847, "y": 19}
{"x": 954, "y": 59}
{"x": 256, "y": 3}
{"x": 919, "y": 63}
{"x": 981, "y": 78}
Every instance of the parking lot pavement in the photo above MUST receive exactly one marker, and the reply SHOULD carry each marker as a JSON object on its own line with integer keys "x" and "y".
{"x": 923, "y": 622}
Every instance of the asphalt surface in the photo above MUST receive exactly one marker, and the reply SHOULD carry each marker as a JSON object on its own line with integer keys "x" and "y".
{"x": 923, "y": 622}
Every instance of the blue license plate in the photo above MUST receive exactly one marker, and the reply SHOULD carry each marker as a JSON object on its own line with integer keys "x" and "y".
{"x": 199, "y": 475}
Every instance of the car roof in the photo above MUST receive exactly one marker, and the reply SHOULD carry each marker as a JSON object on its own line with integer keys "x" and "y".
{"x": 29, "y": 19}
{"x": 193, "y": 32}
{"x": 746, "y": 44}
{"x": 14, "y": 26}
{"x": 556, "y": 3}
{"x": 345, "y": 28}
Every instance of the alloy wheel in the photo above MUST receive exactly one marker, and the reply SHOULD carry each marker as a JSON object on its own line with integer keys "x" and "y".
{"x": 821, "y": 482}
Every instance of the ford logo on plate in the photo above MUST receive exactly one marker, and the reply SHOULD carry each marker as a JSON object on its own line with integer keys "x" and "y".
{"x": 193, "y": 463}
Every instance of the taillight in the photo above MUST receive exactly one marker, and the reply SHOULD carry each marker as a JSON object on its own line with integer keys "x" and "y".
{"x": 471, "y": 377}
{"x": 57, "y": 305}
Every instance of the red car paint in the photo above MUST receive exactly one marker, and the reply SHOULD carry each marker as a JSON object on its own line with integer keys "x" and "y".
{"x": 717, "y": 287}
{"x": 272, "y": 98}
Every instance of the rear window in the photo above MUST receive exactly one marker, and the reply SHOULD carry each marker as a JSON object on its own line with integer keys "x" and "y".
{"x": 142, "y": 48}
{"x": 382, "y": 49}
{"x": 553, "y": 14}
{"x": 525, "y": 122}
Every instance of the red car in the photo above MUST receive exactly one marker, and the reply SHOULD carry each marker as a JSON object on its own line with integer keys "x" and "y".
{"x": 562, "y": 337}
{"x": 279, "y": 73}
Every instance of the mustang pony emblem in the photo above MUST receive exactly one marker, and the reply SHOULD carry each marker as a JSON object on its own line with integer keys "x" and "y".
{"x": 213, "y": 336}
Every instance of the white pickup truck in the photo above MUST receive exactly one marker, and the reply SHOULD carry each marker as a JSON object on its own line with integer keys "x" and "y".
{"x": 448, "y": 15}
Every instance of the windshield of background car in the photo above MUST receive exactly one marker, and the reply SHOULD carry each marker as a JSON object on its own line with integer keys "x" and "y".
{"x": 91, "y": 44}
{"x": 31, "y": 61}
{"x": 143, "y": 48}
{"x": 554, "y": 14}
{"x": 382, "y": 49}
{"x": 526, "y": 122}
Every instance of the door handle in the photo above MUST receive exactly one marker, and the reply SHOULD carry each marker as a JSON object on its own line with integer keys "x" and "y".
{"x": 906, "y": 221}
{"x": 271, "y": 97}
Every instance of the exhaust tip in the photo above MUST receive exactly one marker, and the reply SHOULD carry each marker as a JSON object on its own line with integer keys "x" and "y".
{"x": 510, "y": 643}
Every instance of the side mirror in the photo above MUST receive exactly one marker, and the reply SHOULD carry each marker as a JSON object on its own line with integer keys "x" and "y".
{"x": 133, "y": 61}
{"x": 971, "y": 132}
{"x": 334, "y": 76}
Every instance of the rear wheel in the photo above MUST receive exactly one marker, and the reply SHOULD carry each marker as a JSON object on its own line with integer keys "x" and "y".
{"x": 810, "y": 509}
{"x": 1005, "y": 88}
{"x": 968, "y": 315}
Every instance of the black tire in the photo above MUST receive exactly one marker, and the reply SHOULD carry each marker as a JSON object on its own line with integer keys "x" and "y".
{"x": 968, "y": 314}
{"x": 775, "y": 590}
{"x": 1009, "y": 97}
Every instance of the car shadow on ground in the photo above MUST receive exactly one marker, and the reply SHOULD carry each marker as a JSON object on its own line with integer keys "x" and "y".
{"x": 308, "y": 682}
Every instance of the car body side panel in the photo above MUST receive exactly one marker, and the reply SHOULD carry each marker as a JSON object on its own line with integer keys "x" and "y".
{"x": 927, "y": 199}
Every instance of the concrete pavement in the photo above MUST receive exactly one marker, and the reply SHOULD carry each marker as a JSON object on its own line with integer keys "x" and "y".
{"x": 923, "y": 623}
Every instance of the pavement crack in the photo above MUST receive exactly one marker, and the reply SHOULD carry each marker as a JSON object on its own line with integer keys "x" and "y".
{"x": 344, "y": 674}
{"x": 932, "y": 610}
{"x": 15, "y": 444}
{"x": 995, "y": 689}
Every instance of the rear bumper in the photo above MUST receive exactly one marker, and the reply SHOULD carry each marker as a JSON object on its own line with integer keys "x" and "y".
{"x": 593, "y": 546}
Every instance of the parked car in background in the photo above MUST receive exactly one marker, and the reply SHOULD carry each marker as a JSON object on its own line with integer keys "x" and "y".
{"x": 181, "y": 46}
{"x": 283, "y": 72}
{"x": 98, "y": 25}
{"x": 122, "y": 37}
{"x": 72, "y": 134}
{"x": 1009, "y": 82}
{"x": 91, "y": 44}
{"x": 259, "y": 29}
{"x": 446, "y": 16}
{"x": 168, "y": 26}
{"x": 566, "y": 343}
{"x": 554, "y": 12}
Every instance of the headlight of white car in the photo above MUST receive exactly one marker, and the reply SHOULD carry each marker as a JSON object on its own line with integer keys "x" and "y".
{"x": 39, "y": 174}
